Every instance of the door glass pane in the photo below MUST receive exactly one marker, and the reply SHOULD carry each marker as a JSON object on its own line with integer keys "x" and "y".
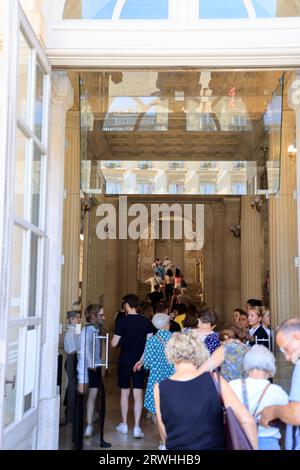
{"x": 17, "y": 262}
{"x": 23, "y": 79}
{"x": 33, "y": 275}
{"x": 38, "y": 108}
{"x": 30, "y": 366}
{"x": 11, "y": 375}
{"x": 36, "y": 186}
{"x": 20, "y": 174}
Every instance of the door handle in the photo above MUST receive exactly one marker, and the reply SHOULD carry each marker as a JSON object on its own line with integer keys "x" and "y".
{"x": 12, "y": 382}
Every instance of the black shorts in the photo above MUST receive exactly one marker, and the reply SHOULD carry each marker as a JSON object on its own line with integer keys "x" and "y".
{"x": 126, "y": 376}
{"x": 95, "y": 378}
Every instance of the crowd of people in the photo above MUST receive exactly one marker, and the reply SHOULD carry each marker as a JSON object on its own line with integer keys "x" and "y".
{"x": 176, "y": 350}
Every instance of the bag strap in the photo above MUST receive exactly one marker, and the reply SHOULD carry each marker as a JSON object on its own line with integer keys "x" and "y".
{"x": 260, "y": 398}
{"x": 217, "y": 385}
{"x": 245, "y": 393}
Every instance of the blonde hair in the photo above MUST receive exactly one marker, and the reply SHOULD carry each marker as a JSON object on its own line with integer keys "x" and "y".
{"x": 186, "y": 347}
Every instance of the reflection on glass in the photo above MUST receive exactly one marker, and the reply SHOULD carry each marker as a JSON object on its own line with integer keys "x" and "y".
{"x": 194, "y": 177}
{"x": 36, "y": 186}
{"x": 183, "y": 120}
{"x": 175, "y": 165}
{"x": 113, "y": 164}
{"x": 145, "y": 187}
{"x": 10, "y": 395}
{"x": 33, "y": 275}
{"x": 239, "y": 188}
{"x": 176, "y": 188}
{"x": 207, "y": 165}
{"x": 144, "y": 165}
{"x": 20, "y": 174}
{"x": 107, "y": 9}
{"x": 207, "y": 188}
{"x": 113, "y": 187}
{"x": 23, "y": 79}
{"x": 17, "y": 264}
{"x": 39, "y": 101}
{"x": 128, "y": 113}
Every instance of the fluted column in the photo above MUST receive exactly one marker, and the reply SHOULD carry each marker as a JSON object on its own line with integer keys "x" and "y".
{"x": 294, "y": 103}
{"x": 219, "y": 223}
{"x": 251, "y": 251}
{"x": 284, "y": 282}
{"x": 72, "y": 214}
{"x": 232, "y": 259}
{"x": 111, "y": 267}
{"x": 49, "y": 398}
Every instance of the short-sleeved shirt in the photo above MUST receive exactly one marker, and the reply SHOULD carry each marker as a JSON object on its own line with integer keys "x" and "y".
{"x": 274, "y": 395}
{"x": 133, "y": 330}
{"x": 292, "y": 437}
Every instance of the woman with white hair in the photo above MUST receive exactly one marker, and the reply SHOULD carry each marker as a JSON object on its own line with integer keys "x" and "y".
{"x": 188, "y": 407}
{"x": 256, "y": 392}
{"x": 154, "y": 358}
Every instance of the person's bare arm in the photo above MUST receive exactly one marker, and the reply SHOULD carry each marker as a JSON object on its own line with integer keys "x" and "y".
{"x": 214, "y": 361}
{"x": 246, "y": 420}
{"x": 289, "y": 414}
{"x": 160, "y": 424}
{"x": 139, "y": 364}
{"x": 115, "y": 341}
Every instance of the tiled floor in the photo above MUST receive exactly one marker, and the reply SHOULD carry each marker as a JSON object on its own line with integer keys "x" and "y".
{"x": 113, "y": 418}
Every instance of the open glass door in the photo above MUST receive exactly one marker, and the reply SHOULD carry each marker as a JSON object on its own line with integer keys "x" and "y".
{"x": 27, "y": 151}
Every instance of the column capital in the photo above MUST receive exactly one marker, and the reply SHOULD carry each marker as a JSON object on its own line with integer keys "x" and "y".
{"x": 62, "y": 90}
{"x": 294, "y": 93}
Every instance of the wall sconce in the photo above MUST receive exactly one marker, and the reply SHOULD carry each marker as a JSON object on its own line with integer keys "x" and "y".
{"x": 257, "y": 204}
{"x": 236, "y": 230}
{"x": 292, "y": 152}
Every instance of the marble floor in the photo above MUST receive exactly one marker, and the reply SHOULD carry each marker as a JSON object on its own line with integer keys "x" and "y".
{"x": 113, "y": 418}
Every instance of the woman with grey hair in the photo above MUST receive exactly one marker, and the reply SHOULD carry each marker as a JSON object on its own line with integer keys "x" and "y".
{"x": 154, "y": 358}
{"x": 256, "y": 392}
{"x": 188, "y": 407}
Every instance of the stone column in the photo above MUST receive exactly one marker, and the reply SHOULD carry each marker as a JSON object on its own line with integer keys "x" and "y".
{"x": 284, "y": 238}
{"x": 112, "y": 266}
{"x": 232, "y": 258}
{"x": 251, "y": 251}
{"x": 284, "y": 281}
{"x": 294, "y": 103}
{"x": 219, "y": 224}
{"x": 72, "y": 215}
{"x": 49, "y": 398}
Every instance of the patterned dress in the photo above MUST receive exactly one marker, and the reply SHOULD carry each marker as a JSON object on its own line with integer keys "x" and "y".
{"x": 232, "y": 367}
{"x": 212, "y": 341}
{"x": 155, "y": 360}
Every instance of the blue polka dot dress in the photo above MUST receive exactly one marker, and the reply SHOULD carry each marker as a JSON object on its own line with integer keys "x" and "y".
{"x": 155, "y": 360}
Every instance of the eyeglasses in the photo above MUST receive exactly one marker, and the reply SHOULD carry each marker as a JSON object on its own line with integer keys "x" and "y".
{"x": 282, "y": 348}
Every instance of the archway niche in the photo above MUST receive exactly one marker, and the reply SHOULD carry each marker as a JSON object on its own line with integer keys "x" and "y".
{"x": 190, "y": 262}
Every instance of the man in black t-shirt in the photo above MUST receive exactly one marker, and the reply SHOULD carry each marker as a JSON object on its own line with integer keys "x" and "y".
{"x": 131, "y": 333}
{"x": 155, "y": 296}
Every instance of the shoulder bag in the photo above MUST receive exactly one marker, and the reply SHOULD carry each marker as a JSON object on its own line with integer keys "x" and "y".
{"x": 235, "y": 435}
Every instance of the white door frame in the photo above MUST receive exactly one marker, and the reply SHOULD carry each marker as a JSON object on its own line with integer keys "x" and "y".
{"x": 21, "y": 432}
